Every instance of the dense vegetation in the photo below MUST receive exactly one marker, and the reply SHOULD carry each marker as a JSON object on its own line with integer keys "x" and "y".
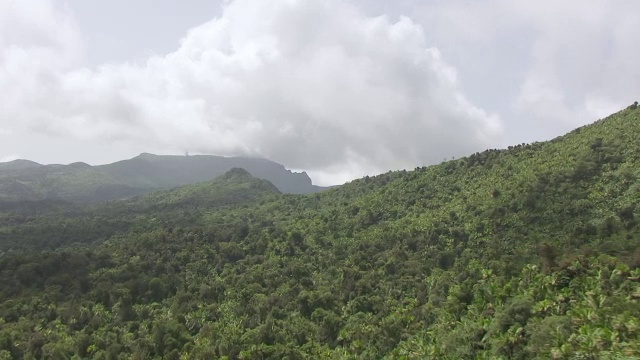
{"x": 528, "y": 252}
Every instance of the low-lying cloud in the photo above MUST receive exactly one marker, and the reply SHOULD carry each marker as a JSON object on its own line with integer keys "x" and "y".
{"x": 314, "y": 85}
{"x": 545, "y": 66}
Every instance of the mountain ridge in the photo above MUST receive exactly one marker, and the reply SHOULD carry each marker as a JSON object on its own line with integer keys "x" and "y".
{"x": 529, "y": 252}
{"x": 145, "y": 173}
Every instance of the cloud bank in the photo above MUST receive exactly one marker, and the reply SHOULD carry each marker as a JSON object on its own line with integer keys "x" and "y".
{"x": 546, "y": 66}
{"x": 314, "y": 85}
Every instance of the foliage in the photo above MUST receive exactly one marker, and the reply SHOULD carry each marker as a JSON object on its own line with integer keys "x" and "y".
{"x": 527, "y": 252}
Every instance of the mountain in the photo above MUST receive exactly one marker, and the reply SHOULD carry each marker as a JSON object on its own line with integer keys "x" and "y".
{"x": 49, "y": 224}
{"x": 234, "y": 188}
{"x": 530, "y": 252}
{"x": 165, "y": 171}
{"x": 18, "y": 165}
{"x": 82, "y": 183}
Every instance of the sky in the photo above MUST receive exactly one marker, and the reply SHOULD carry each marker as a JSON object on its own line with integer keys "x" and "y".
{"x": 338, "y": 88}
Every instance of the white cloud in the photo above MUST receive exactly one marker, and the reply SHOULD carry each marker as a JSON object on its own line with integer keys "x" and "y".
{"x": 546, "y": 66}
{"x": 8, "y": 158}
{"x": 583, "y": 60}
{"x": 315, "y": 85}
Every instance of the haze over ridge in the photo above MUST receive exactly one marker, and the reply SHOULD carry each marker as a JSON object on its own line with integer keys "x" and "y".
{"x": 340, "y": 89}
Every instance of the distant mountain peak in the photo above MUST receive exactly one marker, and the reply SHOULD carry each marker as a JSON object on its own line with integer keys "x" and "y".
{"x": 146, "y": 156}
{"x": 237, "y": 172}
{"x": 79, "y": 165}
{"x": 145, "y": 173}
{"x": 18, "y": 164}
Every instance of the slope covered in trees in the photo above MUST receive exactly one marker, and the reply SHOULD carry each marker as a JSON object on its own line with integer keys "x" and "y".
{"x": 527, "y": 252}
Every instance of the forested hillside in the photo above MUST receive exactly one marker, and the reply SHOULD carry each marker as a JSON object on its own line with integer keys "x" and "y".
{"x": 80, "y": 183}
{"x": 524, "y": 253}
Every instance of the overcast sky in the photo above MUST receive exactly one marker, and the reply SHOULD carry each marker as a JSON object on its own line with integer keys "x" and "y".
{"x": 340, "y": 89}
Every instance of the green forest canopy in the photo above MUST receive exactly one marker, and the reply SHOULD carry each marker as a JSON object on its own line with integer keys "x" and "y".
{"x": 527, "y": 252}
